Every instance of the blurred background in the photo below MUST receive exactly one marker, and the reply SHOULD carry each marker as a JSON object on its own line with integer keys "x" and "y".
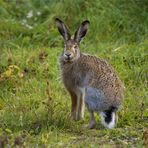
{"x": 34, "y": 105}
{"x": 32, "y": 21}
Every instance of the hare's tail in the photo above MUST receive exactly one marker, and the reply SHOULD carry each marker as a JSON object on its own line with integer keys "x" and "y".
{"x": 109, "y": 118}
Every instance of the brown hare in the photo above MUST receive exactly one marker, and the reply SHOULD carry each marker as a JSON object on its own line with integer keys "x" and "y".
{"x": 88, "y": 79}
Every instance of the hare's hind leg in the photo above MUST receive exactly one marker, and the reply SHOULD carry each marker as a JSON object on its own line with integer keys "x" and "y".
{"x": 92, "y": 121}
{"x": 108, "y": 118}
{"x": 73, "y": 106}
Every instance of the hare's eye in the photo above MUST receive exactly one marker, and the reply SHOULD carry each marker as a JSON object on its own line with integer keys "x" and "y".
{"x": 75, "y": 46}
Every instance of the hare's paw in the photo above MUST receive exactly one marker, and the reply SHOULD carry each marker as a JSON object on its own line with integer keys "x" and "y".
{"x": 80, "y": 116}
{"x": 91, "y": 125}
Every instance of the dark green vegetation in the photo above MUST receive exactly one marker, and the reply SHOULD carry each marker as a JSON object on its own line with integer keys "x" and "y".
{"x": 34, "y": 106}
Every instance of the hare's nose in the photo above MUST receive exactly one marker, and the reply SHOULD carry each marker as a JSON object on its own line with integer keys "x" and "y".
{"x": 68, "y": 54}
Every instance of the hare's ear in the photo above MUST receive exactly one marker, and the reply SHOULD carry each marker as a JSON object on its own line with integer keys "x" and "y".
{"x": 62, "y": 29}
{"x": 81, "y": 31}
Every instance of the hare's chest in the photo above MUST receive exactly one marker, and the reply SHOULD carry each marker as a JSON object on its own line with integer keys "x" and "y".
{"x": 70, "y": 80}
{"x": 73, "y": 79}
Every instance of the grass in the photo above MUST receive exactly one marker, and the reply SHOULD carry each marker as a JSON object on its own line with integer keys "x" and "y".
{"x": 34, "y": 105}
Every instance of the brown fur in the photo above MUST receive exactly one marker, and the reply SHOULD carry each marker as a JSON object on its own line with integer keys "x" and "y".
{"x": 102, "y": 77}
{"x": 80, "y": 71}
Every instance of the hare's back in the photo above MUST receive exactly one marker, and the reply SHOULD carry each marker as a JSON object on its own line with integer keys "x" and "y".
{"x": 103, "y": 78}
{"x": 100, "y": 71}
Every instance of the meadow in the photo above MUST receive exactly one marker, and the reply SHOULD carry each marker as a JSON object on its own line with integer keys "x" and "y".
{"x": 35, "y": 106}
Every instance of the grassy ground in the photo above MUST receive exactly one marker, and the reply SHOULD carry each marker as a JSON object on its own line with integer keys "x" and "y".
{"x": 34, "y": 105}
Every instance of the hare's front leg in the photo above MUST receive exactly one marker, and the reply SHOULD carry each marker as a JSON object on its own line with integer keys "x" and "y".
{"x": 80, "y": 104}
{"x": 73, "y": 106}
